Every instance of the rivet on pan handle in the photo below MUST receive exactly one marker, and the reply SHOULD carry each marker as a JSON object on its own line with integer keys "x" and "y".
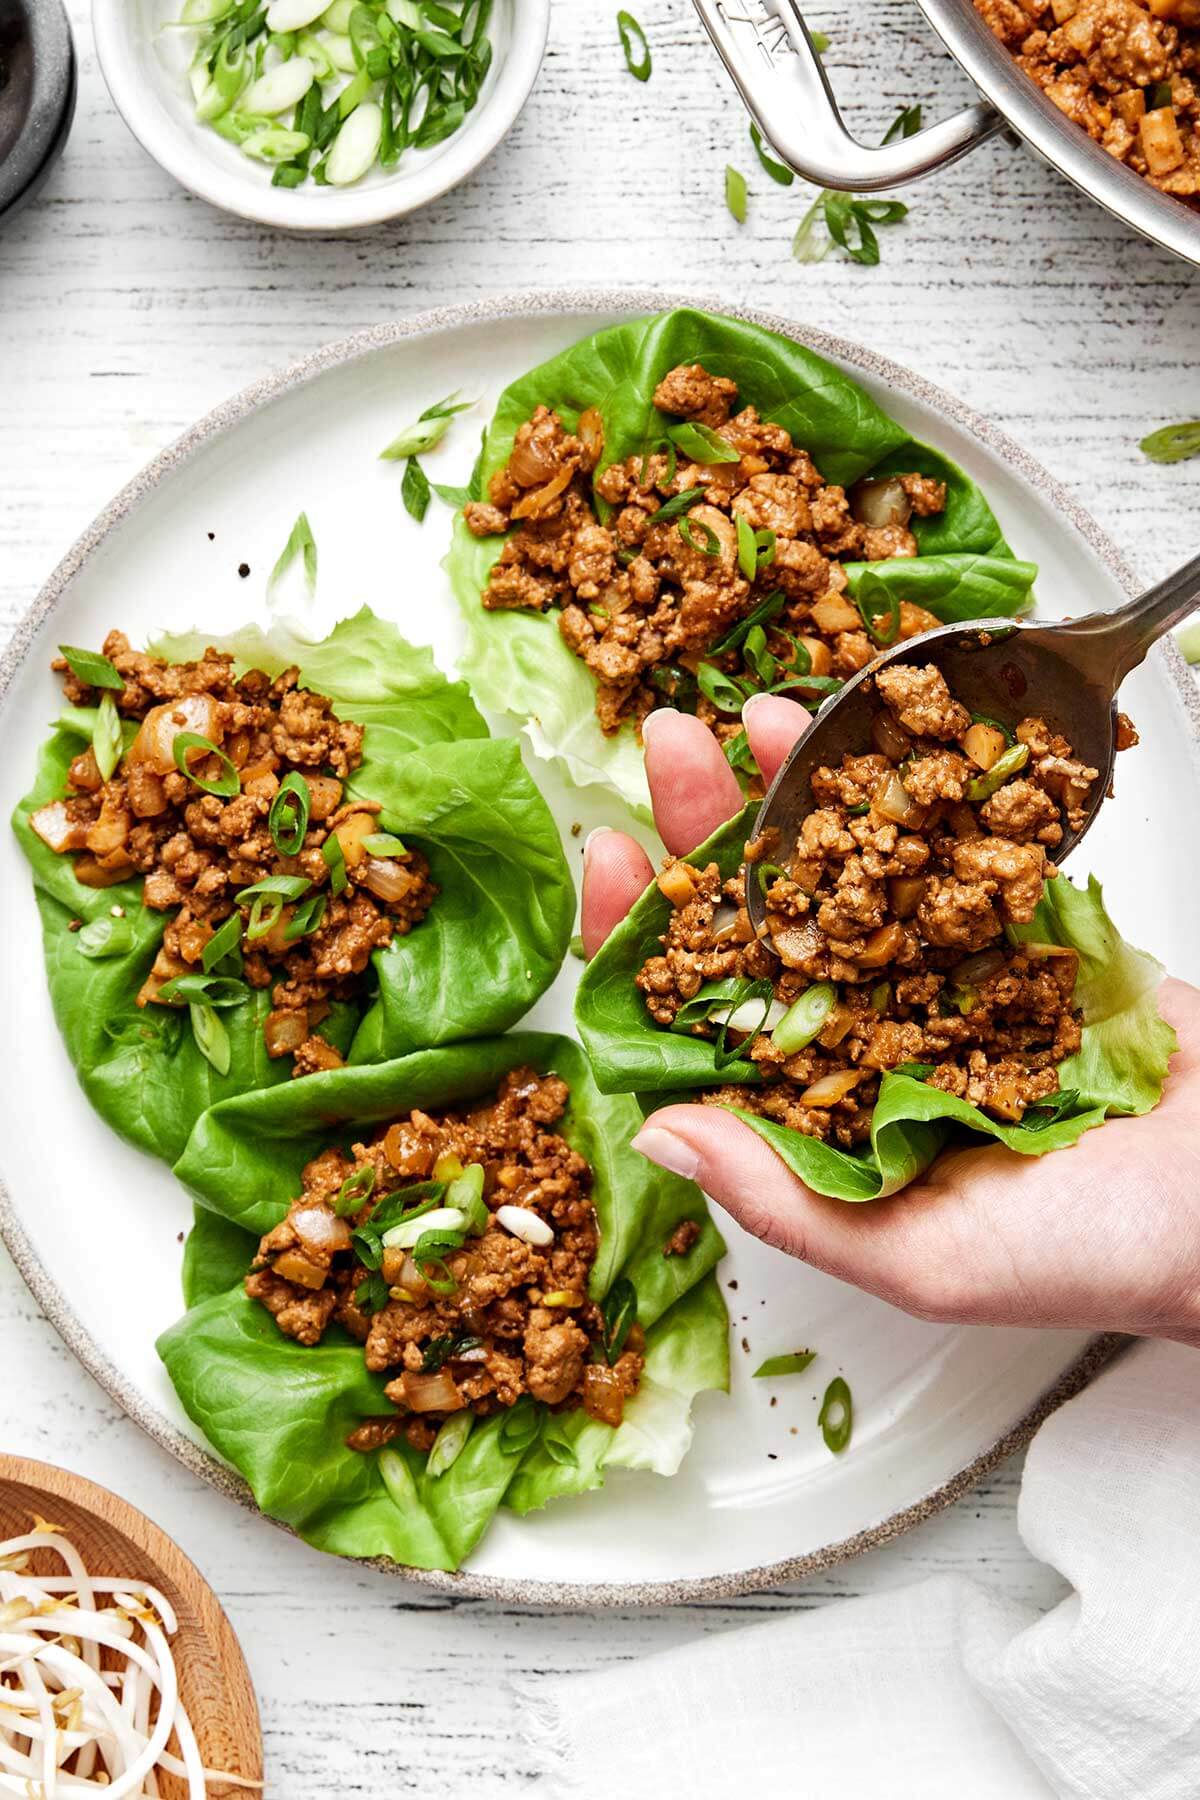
{"x": 766, "y": 47}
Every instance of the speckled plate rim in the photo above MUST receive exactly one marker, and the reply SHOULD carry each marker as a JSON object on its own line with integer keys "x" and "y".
{"x": 560, "y": 303}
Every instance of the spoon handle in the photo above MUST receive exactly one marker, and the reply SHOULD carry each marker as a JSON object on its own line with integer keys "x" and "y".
{"x": 1108, "y": 645}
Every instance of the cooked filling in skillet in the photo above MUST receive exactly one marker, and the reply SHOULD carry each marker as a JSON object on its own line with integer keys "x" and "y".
{"x": 230, "y": 801}
{"x": 893, "y": 925}
{"x": 720, "y": 552}
{"x": 456, "y": 1248}
{"x": 1123, "y": 71}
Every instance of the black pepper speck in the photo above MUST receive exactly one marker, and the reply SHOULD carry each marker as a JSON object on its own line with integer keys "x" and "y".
{"x": 243, "y": 570}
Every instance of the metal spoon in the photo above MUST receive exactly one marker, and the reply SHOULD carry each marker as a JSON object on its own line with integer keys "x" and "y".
{"x": 1066, "y": 672}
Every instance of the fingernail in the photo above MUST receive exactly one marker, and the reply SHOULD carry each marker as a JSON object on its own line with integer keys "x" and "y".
{"x": 751, "y": 703}
{"x": 599, "y": 832}
{"x": 650, "y": 724}
{"x": 667, "y": 1150}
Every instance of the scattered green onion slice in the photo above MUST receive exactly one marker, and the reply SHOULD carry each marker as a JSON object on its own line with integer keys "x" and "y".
{"x": 738, "y": 753}
{"x": 747, "y": 550}
{"x": 687, "y": 529}
{"x": 1049, "y": 1111}
{"x": 878, "y": 607}
{"x": 89, "y": 666}
{"x": 428, "y": 431}
{"x": 559, "y": 1450}
{"x": 700, "y": 444}
{"x": 1006, "y": 764}
{"x": 1189, "y": 642}
{"x": 105, "y": 936}
{"x": 414, "y": 490}
{"x": 520, "y": 1429}
{"x": 735, "y": 193}
{"x": 1173, "y": 443}
{"x": 441, "y": 1350}
{"x": 335, "y": 862}
{"x": 306, "y": 919}
{"x": 776, "y": 170}
{"x": 803, "y": 1020}
{"x": 917, "y": 1071}
{"x": 450, "y": 1442}
{"x": 720, "y": 689}
{"x": 107, "y": 736}
{"x": 228, "y": 783}
{"x": 763, "y": 613}
{"x": 633, "y": 43}
{"x": 288, "y": 818}
{"x": 678, "y": 503}
{"x": 284, "y": 887}
{"x": 836, "y": 1417}
{"x": 300, "y": 543}
{"x": 204, "y": 990}
{"x": 1158, "y": 95}
{"x": 382, "y": 843}
{"x": 225, "y": 941}
{"x": 906, "y": 124}
{"x": 358, "y": 1186}
{"x": 793, "y": 1363}
{"x": 212, "y": 1039}
{"x": 619, "y": 1312}
{"x": 465, "y": 1193}
{"x": 395, "y": 1473}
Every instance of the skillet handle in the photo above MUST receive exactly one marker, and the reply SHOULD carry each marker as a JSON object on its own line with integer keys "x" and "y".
{"x": 766, "y": 47}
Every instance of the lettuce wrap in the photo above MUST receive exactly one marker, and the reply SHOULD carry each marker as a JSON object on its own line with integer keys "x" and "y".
{"x": 491, "y": 942}
{"x": 1119, "y": 1068}
{"x": 518, "y": 663}
{"x": 280, "y": 1412}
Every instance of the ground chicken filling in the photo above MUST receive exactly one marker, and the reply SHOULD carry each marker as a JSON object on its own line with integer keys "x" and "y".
{"x": 670, "y": 603}
{"x": 1124, "y": 71}
{"x": 199, "y": 851}
{"x": 476, "y": 1324}
{"x": 888, "y": 942}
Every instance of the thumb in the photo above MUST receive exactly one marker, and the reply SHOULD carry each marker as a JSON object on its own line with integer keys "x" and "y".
{"x": 862, "y": 1244}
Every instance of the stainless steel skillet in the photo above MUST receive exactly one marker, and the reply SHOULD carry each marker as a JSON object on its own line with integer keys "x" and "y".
{"x": 767, "y": 49}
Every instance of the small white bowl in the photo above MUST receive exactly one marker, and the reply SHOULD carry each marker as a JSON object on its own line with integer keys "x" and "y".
{"x": 146, "y": 71}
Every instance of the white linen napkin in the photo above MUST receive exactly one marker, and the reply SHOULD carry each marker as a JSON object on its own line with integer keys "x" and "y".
{"x": 942, "y": 1691}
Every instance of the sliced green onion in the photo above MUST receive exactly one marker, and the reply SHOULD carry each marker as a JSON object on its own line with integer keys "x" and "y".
{"x": 738, "y": 753}
{"x": 916, "y": 1071}
{"x": 1006, "y": 764}
{"x": 286, "y": 887}
{"x": 735, "y": 193}
{"x": 281, "y": 87}
{"x": 226, "y": 941}
{"x": 90, "y": 667}
{"x": 204, "y": 990}
{"x": 633, "y": 43}
{"x": 436, "y": 1275}
{"x": 678, "y": 503}
{"x": 768, "y": 873}
{"x": 306, "y": 919}
{"x": 906, "y": 124}
{"x": 747, "y": 549}
{"x": 105, "y": 936}
{"x": 358, "y": 1186}
{"x": 836, "y": 1417}
{"x": 228, "y": 783}
{"x": 720, "y": 1001}
{"x": 288, "y": 818}
{"x": 776, "y": 170}
{"x": 275, "y": 145}
{"x": 1173, "y": 443}
{"x": 687, "y": 529}
{"x": 465, "y": 1193}
{"x": 618, "y": 1311}
{"x": 450, "y": 1442}
{"x": 763, "y": 613}
{"x": 300, "y": 543}
{"x": 1158, "y": 96}
{"x": 520, "y": 1428}
{"x": 212, "y": 1039}
{"x": 335, "y": 862}
{"x": 793, "y": 1363}
{"x": 421, "y": 1223}
{"x": 1049, "y": 1111}
{"x": 804, "y": 1019}
{"x": 559, "y": 1450}
{"x": 107, "y": 736}
{"x": 414, "y": 490}
{"x": 720, "y": 689}
{"x": 371, "y": 1295}
{"x": 1189, "y": 642}
{"x": 881, "y": 995}
{"x": 356, "y": 145}
{"x": 382, "y": 843}
{"x": 758, "y": 658}
{"x": 397, "y": 1477}
{"x": 429, "y": 430}
{"x": 700, "y": 444}
{"x": 878, "y": 607}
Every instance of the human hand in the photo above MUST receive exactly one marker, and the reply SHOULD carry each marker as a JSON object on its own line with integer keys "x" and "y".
{"x": 1103, "y": 1236}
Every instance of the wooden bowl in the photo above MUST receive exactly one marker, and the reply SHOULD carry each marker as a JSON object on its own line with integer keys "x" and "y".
{"x": 115, "y": 1539}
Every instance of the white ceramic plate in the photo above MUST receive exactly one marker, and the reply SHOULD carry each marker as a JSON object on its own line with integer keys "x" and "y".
{"x": 145, "y": 64}
{"x": 95, "y": 1225}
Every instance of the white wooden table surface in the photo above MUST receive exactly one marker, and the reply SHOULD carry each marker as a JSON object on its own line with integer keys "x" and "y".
{"x": 128, "y": 308}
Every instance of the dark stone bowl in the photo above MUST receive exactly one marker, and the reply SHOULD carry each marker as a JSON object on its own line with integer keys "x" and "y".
{"x": 37, "y": 96}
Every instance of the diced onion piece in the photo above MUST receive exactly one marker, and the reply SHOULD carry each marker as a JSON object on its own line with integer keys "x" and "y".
{"x": 603, "y": 1394}
{"x": 804, "y": 1019}
{"x": 293, "y": 15}
{"x": 591, "y": 436}
{"x": 284, "y": 1032}
{"x": 724, "y": 922}
{"x": 749, "y": 1016}
{"x": 350, "y": 833}
{"x": 795, "y": 944}
{"x": 388, "y": 880}
{"x": 293, "y": 1265}
{"x": 1162, "y": 146}
{"x": 984, "y": 744}
{"x": 677, "y": 883}
{"x": 820, "y": 657}
{"x": 880, "y": 503}
{"x": 1033, "y": 948}
{"x": 54, "y": 826}
{"x": 534, "y": 460}
{"x": 880, "y": 947}
{"x": 905, "y": 893}
{"x": 281, "y": 87}
{"x": 838, "y": 1025}
{"x": 893, "y": 801}
{"x": 963, "y": 822}
{"x": 320, "y": 1230}
{"x": 356, "y": 145}
{"x": 539, "y": 500}
{"x": 526, "y": 1225}
{"x": 564, "y": 1297}
{"x": 155, "y": 741}
{"x": 890, "y": 738}
{"x": 829, "y": 1089}
{"x": 833, "y": 614}
{"x": 439, "y": 1218}
{"x": 447, "y": 1167}
{"x": 974, "y": 969}
{"x": 431, "y": 1393}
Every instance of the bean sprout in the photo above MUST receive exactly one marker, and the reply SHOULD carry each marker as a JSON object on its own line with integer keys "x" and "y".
{"x": 89, "y": 1694}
